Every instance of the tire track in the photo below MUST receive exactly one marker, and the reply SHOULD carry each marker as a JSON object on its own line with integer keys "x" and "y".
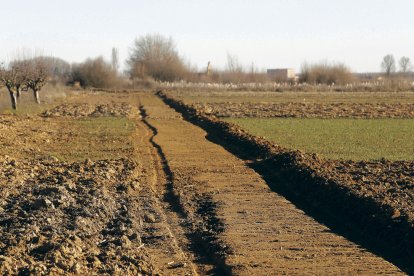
{"x": 202, "y": 237}
{"x": 169, "y": 219}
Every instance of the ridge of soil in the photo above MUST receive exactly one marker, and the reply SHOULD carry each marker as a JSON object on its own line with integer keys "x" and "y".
{"x": 307, "y": 110}
{"x": 86, "y": 110}
{"x": 373, "y": 197}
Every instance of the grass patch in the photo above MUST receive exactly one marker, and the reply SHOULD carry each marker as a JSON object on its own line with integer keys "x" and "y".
{"x": 355, "y": 139}
{"x": 93, "y": 138}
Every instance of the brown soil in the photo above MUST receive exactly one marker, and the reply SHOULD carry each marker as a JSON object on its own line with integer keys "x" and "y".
{"x": 58, "y": 217}
{"x": 308, "y": 110}
{"x": 165, "y": 201}
{"x": 85, "y": 217}
{"x": 257, "y": 230}
{"x": 84, "y": 110}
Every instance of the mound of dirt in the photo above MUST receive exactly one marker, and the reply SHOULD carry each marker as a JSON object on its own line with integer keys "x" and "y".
{"x": 86, "y": 110}
{"x": 388, "y": 183}
{"x": 59, "y": 218}
{"x": 308, "y": 110}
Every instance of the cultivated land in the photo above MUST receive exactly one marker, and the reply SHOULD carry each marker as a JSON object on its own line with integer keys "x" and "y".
{"x": 337, "y": 125}
{"x": 120, "y": 183}
{"x": 355, "y": 139}
{"x": 294, "y": 97}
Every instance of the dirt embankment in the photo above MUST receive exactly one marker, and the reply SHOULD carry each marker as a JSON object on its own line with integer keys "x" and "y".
{"x": 85, "y": 110}
{"x": 307, "y": 110}
{"x": 375, "y": 197}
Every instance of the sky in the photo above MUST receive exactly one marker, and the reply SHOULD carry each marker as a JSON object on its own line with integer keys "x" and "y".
{"x": 262, "y": 33}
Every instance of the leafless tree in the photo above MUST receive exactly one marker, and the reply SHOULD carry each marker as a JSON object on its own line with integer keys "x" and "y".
{"x": 388, "y": 64}
{"x": 37, "y": 74}
{"x": 234, "y": 72}
{"x": 59, "y": 70}
{"x": 405, "y": 64}
{"x": 14, "y": 78}
{"x": 155, "y": 56}
{"x": 233, "y": 65}
{"x": 18, "y": 68}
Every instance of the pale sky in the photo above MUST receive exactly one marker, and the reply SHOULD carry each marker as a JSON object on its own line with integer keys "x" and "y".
{"x": 268, "y": 33}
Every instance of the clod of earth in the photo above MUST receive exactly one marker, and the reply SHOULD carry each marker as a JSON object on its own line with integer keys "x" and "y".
{"x": 55, "y": 219}
{"x": 307, "y": 110}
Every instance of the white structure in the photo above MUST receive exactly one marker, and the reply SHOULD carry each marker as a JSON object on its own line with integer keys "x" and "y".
{"x": 284, "y": 74}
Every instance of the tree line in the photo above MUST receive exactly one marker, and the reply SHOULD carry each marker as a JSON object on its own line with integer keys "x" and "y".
{"x": 389, "y": 64}
{"x": 154, "y": 57}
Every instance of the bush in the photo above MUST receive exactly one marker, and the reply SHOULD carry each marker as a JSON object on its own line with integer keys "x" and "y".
{"x": 95, "y": 73}
{"x": 325, "y": 73}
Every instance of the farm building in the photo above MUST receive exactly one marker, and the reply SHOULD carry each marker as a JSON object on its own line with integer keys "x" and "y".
{"x": 285, "y": 74}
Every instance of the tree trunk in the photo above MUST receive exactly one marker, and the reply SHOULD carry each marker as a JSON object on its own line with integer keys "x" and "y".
{"x": 13, "y": 100}
{"x": 18, "y": 93}
{"x": 36, "y": 95}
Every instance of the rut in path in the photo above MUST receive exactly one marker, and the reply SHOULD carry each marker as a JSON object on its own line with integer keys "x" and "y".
{"x": 168, "y": 250}
{"x": 199, "y": 221}
{"x": 264, "y": 232}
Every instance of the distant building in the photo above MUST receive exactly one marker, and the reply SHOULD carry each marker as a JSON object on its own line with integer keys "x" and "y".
{"x": 285, "y": 74}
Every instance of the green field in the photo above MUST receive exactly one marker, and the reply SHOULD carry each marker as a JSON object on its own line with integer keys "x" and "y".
{"x": 361, "y": 139}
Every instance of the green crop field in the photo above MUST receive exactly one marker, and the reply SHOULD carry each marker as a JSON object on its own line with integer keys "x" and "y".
{"x": 355, "y": 139}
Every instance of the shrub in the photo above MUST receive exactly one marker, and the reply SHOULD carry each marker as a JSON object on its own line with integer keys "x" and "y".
{"x": 95, "y": 73}
{"x": 325, "y": 73}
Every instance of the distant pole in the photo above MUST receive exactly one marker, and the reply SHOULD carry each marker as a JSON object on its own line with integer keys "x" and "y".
{"x": 115, "y": 59}
{"x": 208, "y": 68}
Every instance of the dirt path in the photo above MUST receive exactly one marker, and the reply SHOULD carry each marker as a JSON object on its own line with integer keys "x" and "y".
{"x": 238, "y": 224}
{"x": 170, "y": 254}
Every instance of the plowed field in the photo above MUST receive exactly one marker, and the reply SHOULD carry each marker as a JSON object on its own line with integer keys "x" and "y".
{"x": 121, "y": 184}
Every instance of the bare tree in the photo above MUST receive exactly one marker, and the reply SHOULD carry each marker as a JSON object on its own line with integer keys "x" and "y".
{"x": 14, "y": 79}
{"x": 233, "y": 65}
{"x": 388, "y": 64}
{"x": 18, "y": 68}
{"x": 37, "y": 75}
{"x": 155, "y": 56}
{"x": 59, "y": 70}
{"x": 405, "y": 64}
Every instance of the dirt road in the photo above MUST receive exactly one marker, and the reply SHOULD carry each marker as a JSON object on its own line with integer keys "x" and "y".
{"x": 253, "y": 230}
{"x": 164, "y": 201}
